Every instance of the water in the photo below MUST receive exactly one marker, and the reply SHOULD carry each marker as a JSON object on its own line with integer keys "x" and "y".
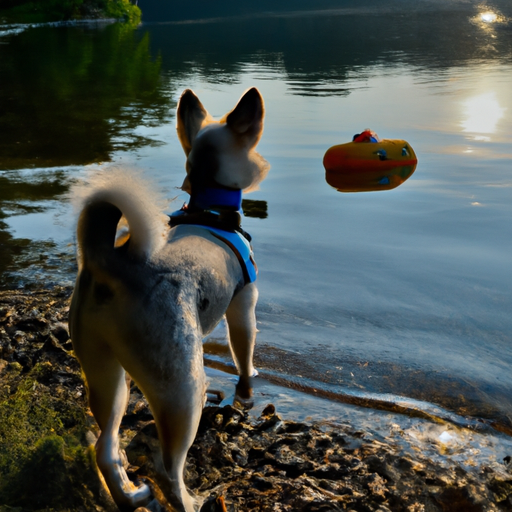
{"x": 400, "y": 297}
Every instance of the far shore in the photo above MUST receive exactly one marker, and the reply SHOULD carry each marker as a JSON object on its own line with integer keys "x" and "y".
{"x": 25, "y": 11}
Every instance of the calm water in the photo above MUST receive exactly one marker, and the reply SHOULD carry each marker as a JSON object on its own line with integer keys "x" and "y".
{"x": 399, "y": 295}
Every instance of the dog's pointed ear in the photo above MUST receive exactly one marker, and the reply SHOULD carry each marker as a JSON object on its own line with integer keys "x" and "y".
{"x": 247, "y": 117}
{"x": 191, "y": 115}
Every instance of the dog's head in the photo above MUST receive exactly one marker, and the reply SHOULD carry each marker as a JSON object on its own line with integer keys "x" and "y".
{"x": 222, "y": 151}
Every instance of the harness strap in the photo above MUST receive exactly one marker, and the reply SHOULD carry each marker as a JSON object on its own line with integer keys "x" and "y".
{"x": 216, "y": 208}
{"x": 248, "y": 265}
{"x": 224, "y": 220}
{"x": 235, "y": 238}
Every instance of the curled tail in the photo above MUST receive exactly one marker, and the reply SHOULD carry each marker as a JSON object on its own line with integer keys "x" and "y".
{"x": 106, "y": 198}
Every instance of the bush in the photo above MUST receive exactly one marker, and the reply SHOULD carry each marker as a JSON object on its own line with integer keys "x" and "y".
{"x": 43, "y": 464}
{"x": 57, "y": 10}
{"x": 122, "y": 9}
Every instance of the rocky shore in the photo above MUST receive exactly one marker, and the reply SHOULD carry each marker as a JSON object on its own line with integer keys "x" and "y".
{"x": 235, "y": 464}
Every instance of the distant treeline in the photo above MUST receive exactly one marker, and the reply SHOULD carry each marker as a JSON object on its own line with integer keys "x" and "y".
{"x": 155, "y": 10}
{"x": 54, "y": 10}
{"x": 176, "y": 10}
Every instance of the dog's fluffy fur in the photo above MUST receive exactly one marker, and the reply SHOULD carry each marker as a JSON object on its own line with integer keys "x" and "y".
{"x": 142, "y": 307}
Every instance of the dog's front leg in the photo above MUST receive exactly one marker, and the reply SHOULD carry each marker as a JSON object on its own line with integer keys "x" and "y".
{"x": 241, "y": 319}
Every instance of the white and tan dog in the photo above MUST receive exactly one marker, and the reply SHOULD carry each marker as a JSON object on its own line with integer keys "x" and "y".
{"x": 143, "y": 307}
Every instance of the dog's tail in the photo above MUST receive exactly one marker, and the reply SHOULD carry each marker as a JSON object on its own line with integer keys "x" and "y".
{"x": 103, "y": 201}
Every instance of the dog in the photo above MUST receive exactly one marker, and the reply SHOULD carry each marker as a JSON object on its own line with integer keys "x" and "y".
{"x": 142, "y": 304}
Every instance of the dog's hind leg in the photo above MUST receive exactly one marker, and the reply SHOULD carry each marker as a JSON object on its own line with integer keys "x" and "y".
{"x": 108, "y": 397}
{"x": 241, "y": 318}
{"x": 177, "y": 415}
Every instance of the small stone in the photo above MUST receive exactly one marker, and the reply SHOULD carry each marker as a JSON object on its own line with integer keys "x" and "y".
{"x": 15, "y": 367}
{"x": 268, "y": 411}
{"x": 60, "y": 331}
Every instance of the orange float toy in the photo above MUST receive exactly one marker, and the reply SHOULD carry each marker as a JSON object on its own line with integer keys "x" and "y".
{"x": 369, "y": 163}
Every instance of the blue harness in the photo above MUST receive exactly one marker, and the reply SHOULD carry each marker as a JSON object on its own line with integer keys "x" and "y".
{"x": 216, "y": 209}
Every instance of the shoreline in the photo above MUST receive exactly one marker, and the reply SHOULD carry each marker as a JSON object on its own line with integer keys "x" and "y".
{"x": 385, "y": 403}
{"x": 353, "y": 459}
{"x": 15, "y": 28}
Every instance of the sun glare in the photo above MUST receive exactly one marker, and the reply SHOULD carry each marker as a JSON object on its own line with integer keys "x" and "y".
{"x": 489, "y": 17}
{"x": 482, "y": 114}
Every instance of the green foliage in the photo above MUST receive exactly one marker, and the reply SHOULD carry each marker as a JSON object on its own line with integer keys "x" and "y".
{"x": 122, "y": 9}
{"x": 44, "y": 460}
{"x": 31, "y": 11}
{"x": 25, "y": 417}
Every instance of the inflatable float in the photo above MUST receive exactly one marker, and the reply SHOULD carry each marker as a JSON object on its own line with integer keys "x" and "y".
{"x": 369, "y": 163}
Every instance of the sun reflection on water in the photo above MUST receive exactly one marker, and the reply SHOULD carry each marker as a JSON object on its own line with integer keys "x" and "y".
{"x": 482, "y": 114}
{"x": 488, "y": 17}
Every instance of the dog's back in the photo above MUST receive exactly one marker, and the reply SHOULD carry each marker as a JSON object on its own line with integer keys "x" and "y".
{"x": 156, "y": 268}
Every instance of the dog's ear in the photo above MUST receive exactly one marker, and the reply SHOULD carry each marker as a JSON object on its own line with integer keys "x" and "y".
{"x": 191, "y": 116}
{"x": 247, "y": 117}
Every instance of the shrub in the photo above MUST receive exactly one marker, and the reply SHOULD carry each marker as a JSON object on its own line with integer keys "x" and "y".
{"x": 43, "y": 464}
{"x": 56, "y": 10}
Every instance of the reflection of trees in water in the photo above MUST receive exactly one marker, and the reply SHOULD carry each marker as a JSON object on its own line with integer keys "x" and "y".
{"x": 21, "y": 197}
{"x": 75, "y": 95}
{"x": 70, "y": 96}
{"x": 321, "y": 55}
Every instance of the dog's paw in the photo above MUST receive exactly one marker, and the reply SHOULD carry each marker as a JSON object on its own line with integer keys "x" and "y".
{"x": 244, "y": 404}
{"x": 244, "y": 393}
{"x": 153, "y": 506}
{"x": 140, "y": 495}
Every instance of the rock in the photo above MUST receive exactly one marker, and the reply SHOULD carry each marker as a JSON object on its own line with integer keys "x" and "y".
{"x": 214, "y": 504}
{"x": 60, "y": 331}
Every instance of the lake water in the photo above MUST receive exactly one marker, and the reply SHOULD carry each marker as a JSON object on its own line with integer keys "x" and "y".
{"x": 391, "y": 297}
